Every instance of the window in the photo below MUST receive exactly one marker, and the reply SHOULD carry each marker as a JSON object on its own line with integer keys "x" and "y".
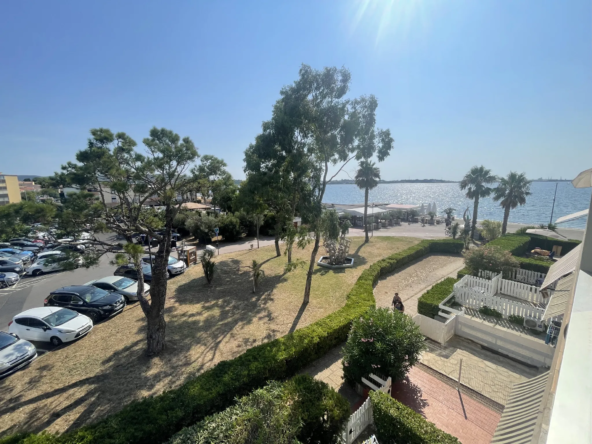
{"x": 22, "y": 321}
{"x": 36, "y": 323}
{"x": 123, "y": 283}
{"x": 76, "y": 300}
{"x": 62, "y": 298}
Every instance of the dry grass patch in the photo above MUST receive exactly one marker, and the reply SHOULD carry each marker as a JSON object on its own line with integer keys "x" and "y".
{"x": 87, "y": 380}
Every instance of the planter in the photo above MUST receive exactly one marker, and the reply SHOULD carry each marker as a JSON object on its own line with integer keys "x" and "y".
{"x": 324, "y": 262}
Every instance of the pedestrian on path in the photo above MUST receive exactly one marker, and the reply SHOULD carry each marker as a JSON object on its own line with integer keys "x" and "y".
{"x": 398, "y": 303}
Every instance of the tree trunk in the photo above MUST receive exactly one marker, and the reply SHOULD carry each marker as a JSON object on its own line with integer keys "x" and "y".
{"x": 278, "y": 252}
{"x": 366, "y": 214}
{"x": 506, "y": 217}
{"x": 257, "y": 232}
{"x": 474, "y": 224}
{"x": 311, "y": 266}
{"x": 289, "y": 250}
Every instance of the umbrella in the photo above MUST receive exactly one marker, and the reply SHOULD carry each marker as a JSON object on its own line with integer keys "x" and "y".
{"x": 422, "y": 209}
{"x": 434, "y": 208}
{"x": 545, "y": 232}
{"x": 584, "y": 179}
{"x": 429, "y": 208}
{"x": 572, "y": 216}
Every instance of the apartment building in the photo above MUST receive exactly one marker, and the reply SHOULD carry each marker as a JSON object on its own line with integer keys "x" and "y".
{"x": 9, "y": 189}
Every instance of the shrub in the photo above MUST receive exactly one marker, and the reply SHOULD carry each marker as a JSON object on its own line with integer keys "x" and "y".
{"x": 397, "y": 423}
{"x": 514, "y": 243}
{"x": 515, "y": 319}
{"x": 208, "y": 265}
{"x": 247, "y": 223}
{"x": 487, "y": 311}
{"x": 230, "y": 228}
{"x": 384, "y": 342}
{"x": 522, "y": 230}
{"x": 547, "y": 243}
{"x": 428, "y": 303}
{"x": 492, "y": 229}
{"x": 490, "y": 258}
{"x": 155, "y": 419}
{"x": 201, "y": 226}
{"x": 527, "y": 263}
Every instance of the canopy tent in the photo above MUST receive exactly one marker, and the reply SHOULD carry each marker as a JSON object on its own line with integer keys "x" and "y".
{"x": 372, "y": 211}
{"x": 429, "y": 208}
{"x": 558, "y": 303}
{"x": 402, "y": 207}
{"x": 572, "y": 216}
{"x": 434, "y": 208}
{"x": 546, "y": 233}
{"x": 562, "y": 267}
{"x": 422, "y": 209}
{"x": 583, "y": 180}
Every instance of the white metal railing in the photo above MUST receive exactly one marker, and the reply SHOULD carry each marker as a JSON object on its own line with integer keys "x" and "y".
{"x": 516, "y": 274}
{"x": 495, "y": 285}
{"x": 476, "y": 300}
{"x": 525, "y": 292}
{"x": 362, "y": 417}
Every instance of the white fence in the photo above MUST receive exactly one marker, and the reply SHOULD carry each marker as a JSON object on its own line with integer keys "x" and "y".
{"x": 476, "y": 300}
{"x": 491, "y": 287}
{"x": 362, "y": 417}
{"x": 525, "y": 292}
{"x": 516, "y": 274}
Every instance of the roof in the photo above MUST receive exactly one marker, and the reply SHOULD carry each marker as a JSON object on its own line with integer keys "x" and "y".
{"x": 38, "y": 312}
{"x": 402, "y": 207}
{"x": 194, "y": 206}
{"x": 521, "y": 412}
{"x": 360, "y": 211}
{"x": 558, "y": 303}
{"x": 563, "y": 266}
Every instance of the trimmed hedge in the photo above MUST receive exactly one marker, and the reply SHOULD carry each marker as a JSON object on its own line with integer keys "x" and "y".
{"x": 517, "y": 244}
{"x": 396, "y": 423}
{"x": 156, "y": 419}
{"x": 428, "y": 303}
{"x": 547, "y": 243}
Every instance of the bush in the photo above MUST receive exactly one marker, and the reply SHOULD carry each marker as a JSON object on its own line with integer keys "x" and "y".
{"x": 522, "y": 230}
{"x": 428, "y": 303}
{"x": 492, "y": 229}
{"x": 381, "y": 341}
{"x": 487, "y": 311}
{"x": 490, "y": 258}
{"x": 514, "y": 243}
{"x": 247, "y": 223}
{"x": 180, "y": 221}
{"x": 515, "y": 319}
{"x": 230, "y": 228}
{"x": 208, "y": 265}
{"x": 301, "y": 408}
{"x": 397, "y": 423}
{"x": 531, "y": 264}
{"x": 156, "y": 419}
{"x": 547, "y": 243}
{"x": 201, "y": 226}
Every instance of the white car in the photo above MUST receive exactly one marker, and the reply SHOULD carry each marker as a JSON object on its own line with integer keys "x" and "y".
{"x": 174, "y": 265}
{"x": 122, "y": 285}
{"x": 49, "y": 253}
{"x": 49, "y": 264}
{"x": 15, "y": 353}
{"x": 50, "y": 324}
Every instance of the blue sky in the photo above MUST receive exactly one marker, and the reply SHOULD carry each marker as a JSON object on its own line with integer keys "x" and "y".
{"x": 502, "y": 83}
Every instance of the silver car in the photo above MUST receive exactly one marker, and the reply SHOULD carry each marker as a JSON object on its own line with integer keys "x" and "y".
{"x": 121, "y": 285}
{"x": 174, "y": 265}
{"x": 7, "y": 279}
{"x": 15, "y": 353}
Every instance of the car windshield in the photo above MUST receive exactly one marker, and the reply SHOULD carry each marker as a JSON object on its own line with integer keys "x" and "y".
{"x": 16, "y": 260}
{"x": 172, "y": 260}
{"x": 123, "y": 283}
{"x": 147, "y": 269}
{"x": 6, "y": 340}
{"x": 60, "y": 317}
{"x": 94, "y": 294}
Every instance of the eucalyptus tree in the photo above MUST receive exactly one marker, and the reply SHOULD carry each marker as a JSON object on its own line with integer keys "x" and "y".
{"x": 511, "y": 192}
{"x": 475, "y": 183}
{"x": 212, "y": 179}
{"x": 126, "y": 182}
{"x": 367, "y": 178}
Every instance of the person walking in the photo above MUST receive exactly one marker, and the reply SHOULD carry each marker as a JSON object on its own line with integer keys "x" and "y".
{"x": 398, "y": 303}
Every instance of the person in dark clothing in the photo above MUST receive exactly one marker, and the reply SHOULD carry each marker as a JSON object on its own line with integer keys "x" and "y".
{"x": 398, "y": 303}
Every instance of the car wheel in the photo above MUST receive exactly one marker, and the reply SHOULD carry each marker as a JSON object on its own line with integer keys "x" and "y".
{"x": 127, "y": 300}
{"x": 37, "y": 272}
{"x": 55, "y": 341}
{"x": 93, "y": 317}
{"x": 170, "y": 275}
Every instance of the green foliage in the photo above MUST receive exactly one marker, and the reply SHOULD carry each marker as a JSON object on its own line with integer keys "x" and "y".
{"x": 208, "y": 265}
{"x": 428, "y": 303}
{"x": 516, "y": 319}
{"x": 522, "y": 230}
{"x": 201, "y": 226}
{"x": 490, "y": 258}
{"x": 514, "y": 243}
{"x": 454, "y": 230}
{"x": 492, "y": 229}
{"x": 257, "y": 274}
{"x": 487, "y": 311}
{"x": 547, "y": 243}
{"x": 397, "y": 423}
{"x": 475, "y": 183}
{"x": 155, "y": 419}
{"x": 248, "y": 222}
{"x": 529, "y": 263}
{"x": 230, "y": 228}
{"x": 449, "y": 212}
{"x": 381, "y": 341}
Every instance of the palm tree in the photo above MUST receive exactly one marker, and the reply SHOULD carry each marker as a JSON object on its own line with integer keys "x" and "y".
{"x": 475, "y": 182}
{"x": 512, "y": 191}
{"x": 367, "y": 177}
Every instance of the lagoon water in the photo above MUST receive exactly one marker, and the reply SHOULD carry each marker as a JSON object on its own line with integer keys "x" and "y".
{"x": 536, "y": 211}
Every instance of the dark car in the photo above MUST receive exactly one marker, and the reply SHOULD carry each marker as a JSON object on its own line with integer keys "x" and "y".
{"x": 91, "y": 301}
{"x": 129, "y": 271}
{"x": 70, "y": 247}
{"x": 10, "y": 266}
{"x": 26, "y": 245}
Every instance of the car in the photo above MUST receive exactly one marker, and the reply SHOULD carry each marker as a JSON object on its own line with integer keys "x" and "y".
{"x": 91, "y": 301}
{"x": 126, "y": 287}
{"x": 174, "y": 265}
{"x": 17, "y": 239}
{"x": 50, "y": 324}
{"x": 130, "y": 271}
{"x": 49, "y": 253}
{"x": 15, "y": 353}
{"x": 78, "y": 248}
{"x": 27, "y": 246}
{"x": 4, "y": 245}
{"x": 49, "y": 264}
{"x": 8, "y": 265}
{"x": 8, "y": 278}
{"x": 29, "y": 255}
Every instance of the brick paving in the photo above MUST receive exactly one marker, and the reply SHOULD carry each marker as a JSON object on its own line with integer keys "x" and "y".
{"x": 455, "y": 413}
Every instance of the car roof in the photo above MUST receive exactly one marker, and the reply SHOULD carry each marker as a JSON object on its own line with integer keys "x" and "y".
{"x": 38, "y": 312}
{"x": 77, "y": 289}
{"x": 47, "y": 253}
{"x": 107, "y": 279}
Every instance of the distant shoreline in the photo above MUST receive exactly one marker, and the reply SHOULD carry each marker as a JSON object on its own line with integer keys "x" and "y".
{"x": 353, "y": 182}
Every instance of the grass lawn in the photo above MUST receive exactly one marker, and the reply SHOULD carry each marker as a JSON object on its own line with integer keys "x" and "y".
{"x": 89, "y": 379}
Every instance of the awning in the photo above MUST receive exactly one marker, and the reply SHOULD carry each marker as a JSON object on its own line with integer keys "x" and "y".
{"x": 563, "y": 266}
{"x": 521, "y": 412}
{"x": 572, "y": 216}
{"x": 558, "y": 303}
{"x": 360, "y": 211}
{"x": 402, "y": 207}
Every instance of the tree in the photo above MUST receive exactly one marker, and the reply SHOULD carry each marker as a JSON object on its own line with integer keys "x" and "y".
{"x": 212, "y": 178}
{"x": 110, "y": 165}
{"x": 449, "y": 212}
{"x": 492, "y": 229}
{"x": 475, "y": 182}
{"x": 334, "y": 231}
{"x": 511, "y": 192}
{"x": 257, "y": 274}
{"x": 367, "y": 178}
{"x": 208, "y": 265}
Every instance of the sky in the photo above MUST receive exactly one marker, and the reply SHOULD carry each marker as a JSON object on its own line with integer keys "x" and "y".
{"x": 503, "y": 83}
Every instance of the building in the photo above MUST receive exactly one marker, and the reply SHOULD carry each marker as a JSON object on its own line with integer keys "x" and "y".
{"x": 9, "y": 189}
{"x": 29, "y": 186}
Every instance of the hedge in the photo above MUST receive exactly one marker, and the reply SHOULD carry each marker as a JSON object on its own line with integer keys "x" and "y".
{"x": 156, "y": 419}
{"x": 396, "y": 423}
{"x": 428, "y": 303}
{"x": 547, "y": 243}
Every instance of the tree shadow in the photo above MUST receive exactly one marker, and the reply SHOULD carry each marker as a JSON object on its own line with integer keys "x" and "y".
{"x": 298, "y": 317}
{"x": 409, "y": 394}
